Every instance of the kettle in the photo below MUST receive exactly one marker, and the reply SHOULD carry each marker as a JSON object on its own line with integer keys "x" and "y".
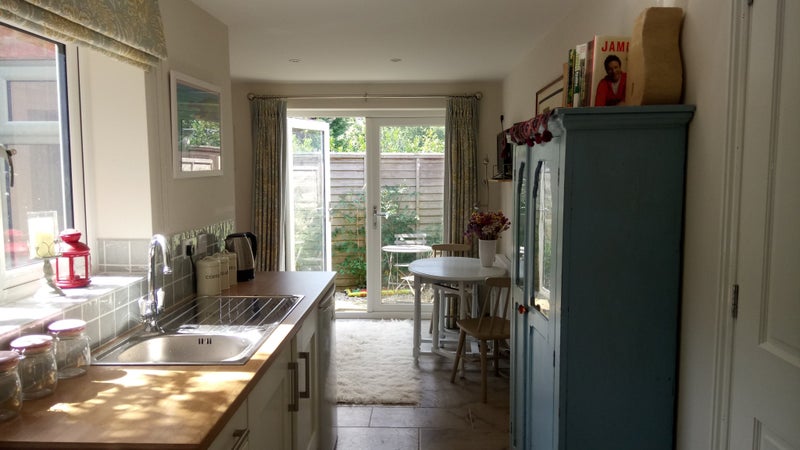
{"x": 244, "y": 245}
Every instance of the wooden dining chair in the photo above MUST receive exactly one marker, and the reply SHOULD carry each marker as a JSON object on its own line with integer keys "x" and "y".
{"x": 493, "y": 324}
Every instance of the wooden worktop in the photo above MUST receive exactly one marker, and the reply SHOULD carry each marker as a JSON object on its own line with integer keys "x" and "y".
{"x": 159, "y": 407}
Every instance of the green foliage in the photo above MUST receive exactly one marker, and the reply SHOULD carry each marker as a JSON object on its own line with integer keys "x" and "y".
{"x": 419, "y": 139}
{"x": 306, "y": 141}
{"x": 204, "y": 133}
{"x": 347, "y": 134}
{"x": 351, "y": 210}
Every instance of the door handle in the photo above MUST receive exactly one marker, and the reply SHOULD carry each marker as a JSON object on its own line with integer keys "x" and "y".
{"x": 306, "y": 356}
{"x": 242, "y": 439}
{"x": 294, "y": 406}
{"x": 376, "y": 214}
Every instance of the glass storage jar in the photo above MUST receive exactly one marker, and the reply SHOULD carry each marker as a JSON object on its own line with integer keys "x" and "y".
{"x": 10, "y": 386}
{"x": 37, "y": 365}
{"x": 72, "y": 347}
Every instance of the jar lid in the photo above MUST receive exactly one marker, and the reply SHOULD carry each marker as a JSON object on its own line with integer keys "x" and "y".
{"x": 34, "y": 343}
{"x": 67, "y": 327}
{"x": 8, "y": 360}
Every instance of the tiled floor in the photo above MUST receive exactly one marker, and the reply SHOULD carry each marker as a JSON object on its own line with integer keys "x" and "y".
{"x": 449, "y": 416}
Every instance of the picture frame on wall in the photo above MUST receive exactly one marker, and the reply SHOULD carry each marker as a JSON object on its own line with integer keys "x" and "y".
{"x": 550, "y": 96}
{"x": 196, "y": 112}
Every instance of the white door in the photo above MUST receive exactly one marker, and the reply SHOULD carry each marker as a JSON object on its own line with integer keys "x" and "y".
{"x": 405, "y": 193}
{"x": 765, "y": 399}
{"x": 309, "y": 246}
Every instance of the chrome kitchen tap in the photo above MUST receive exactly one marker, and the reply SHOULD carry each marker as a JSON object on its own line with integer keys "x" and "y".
{"x": 153, "y": 301}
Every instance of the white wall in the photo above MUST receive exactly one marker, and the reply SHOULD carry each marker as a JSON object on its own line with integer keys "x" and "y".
{"x": 489, "y": 118}
{"x": 705, "y": 45}
{"x": 115, "y": 147}
{"x": 197, "y": 45}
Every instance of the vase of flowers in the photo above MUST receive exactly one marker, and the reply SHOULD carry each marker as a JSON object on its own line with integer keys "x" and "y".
{"x": 486, "y": 226}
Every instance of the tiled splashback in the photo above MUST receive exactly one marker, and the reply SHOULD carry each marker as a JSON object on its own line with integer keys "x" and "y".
{"x": 109, "y": 304}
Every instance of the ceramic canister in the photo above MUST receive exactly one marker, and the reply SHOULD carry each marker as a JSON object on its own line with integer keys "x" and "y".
{"x": 232, "y": 266}
{"x": 208, "y": 276}
{"x": 224, "y": 279}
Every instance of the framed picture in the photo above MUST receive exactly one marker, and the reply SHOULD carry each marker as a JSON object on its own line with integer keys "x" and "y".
{"x": 551, "y": 96}
{"x": 196, "y": 127}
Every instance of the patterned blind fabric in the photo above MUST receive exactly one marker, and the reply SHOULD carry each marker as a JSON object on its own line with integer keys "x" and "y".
{"x": 129, "y": 30}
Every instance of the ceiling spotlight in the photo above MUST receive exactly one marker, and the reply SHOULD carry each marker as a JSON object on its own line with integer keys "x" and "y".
{"x": 396, "y": 59}
{"x": 294, "y": 60}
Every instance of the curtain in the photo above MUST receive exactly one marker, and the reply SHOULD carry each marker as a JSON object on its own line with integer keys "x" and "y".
{"x": 460, "y": 155}
{"x": 269, "y": 175}
{"x": 129, "y": 30}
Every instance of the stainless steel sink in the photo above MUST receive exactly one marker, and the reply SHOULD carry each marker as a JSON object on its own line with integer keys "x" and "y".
{"x": 205, "y": 331}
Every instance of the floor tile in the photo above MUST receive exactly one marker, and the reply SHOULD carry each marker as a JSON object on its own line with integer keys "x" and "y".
{"x": 353, "y": 415}
{"x": 419, "y": 417}
{"x": 448, "y": 439}
{"x": 352, "y": 438}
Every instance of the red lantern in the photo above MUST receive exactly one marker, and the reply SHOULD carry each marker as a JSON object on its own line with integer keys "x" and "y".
{"x": 74, "y": 261}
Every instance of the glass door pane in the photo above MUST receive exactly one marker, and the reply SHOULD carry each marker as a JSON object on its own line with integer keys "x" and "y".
{"x": 406, "y": 201}
{"x": 309, "y": 194}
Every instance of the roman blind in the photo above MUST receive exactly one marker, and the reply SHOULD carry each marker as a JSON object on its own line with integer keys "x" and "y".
{"x": 129, "y": 30}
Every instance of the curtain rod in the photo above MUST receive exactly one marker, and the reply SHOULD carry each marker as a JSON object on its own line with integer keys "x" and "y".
{"x": 364, "y": 96}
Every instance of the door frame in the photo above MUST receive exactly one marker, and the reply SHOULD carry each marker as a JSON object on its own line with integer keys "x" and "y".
{"x": 373, "y": 202}
{"x": 373, "y": 113}
{"x": 729, "y": 226}
{"x": 309, "y": 124}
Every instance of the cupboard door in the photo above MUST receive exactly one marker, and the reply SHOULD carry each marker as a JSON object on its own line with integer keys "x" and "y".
{"x": 268, "y": 408}
{"x": 306, "y": 418}
{"x": 542, "y": 301}
{"x": 230, "y": 436}
{"x": 519, "y": 325}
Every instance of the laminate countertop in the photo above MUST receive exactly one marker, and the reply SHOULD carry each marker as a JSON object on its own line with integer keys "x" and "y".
{"x": 160, "y": 407}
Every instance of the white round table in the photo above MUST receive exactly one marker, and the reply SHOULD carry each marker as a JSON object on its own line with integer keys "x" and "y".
{"x": 450, "y": 269}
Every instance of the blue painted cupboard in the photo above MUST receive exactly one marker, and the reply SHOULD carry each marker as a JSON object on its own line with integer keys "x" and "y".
{"x": 597, "y": 279}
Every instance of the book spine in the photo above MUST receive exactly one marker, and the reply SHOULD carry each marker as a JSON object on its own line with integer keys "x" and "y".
{"x": 571, "y": 76}
{"x": 580, "y": 70}
{"x": 589, "y": 74}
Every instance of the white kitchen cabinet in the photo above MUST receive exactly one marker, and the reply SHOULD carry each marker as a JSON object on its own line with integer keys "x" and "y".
{"x": 306, "y": 416}
{"x": 234, "y": 433}
{"x": 269, "y": 417}
{"x": 282, "y": 410}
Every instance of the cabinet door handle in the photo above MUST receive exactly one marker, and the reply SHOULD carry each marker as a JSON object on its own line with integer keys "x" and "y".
{"x": 242, "y": 439}
{"x": 307, "y": 357}
{"x": 295, "y": 402}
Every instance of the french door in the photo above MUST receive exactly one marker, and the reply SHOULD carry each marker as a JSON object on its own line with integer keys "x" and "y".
{"x": 404, "y": 205}
{"x": 308, "y": 221}
{"x": 381, "y": 185}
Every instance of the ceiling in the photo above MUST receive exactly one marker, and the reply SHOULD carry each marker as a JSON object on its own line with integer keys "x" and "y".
{"x": 306, "y": 41}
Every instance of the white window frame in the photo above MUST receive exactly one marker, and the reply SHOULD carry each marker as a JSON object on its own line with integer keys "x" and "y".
{"x": 23, "y": 282}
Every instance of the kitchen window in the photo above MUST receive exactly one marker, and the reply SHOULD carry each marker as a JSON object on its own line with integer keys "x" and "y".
{"x": 36, "y": 191}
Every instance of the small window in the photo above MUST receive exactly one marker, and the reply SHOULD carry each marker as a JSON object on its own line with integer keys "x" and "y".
{"x": 35, "y": 190}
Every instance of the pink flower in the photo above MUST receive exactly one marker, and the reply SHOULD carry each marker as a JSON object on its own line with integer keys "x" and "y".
{"x": 486, "y": 225}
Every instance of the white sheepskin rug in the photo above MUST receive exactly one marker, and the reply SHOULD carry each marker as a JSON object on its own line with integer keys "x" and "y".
{"x": 374, "y": 363}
